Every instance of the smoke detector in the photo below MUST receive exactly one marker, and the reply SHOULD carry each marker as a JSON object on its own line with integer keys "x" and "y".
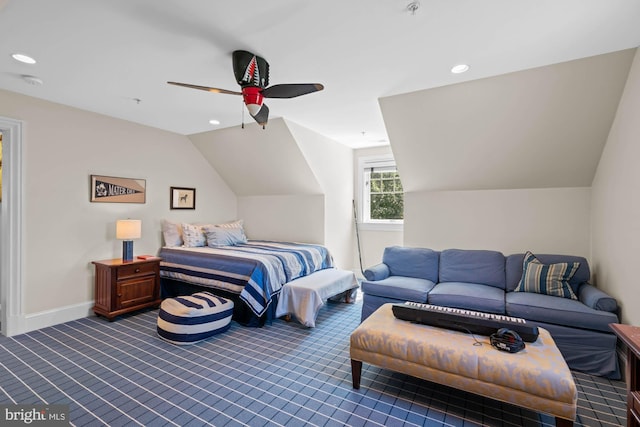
{"x": 413, "y": 7}
{"x": 32, "y": 80}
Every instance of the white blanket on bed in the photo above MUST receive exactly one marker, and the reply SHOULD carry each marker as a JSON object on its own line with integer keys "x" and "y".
{"x": 303, "y": 297}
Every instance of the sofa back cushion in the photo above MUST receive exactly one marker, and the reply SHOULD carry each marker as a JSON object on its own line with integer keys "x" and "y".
{"x": 412, "y": 262}
{"x": 514, "y": 269}
{"x": 473, "y": 266}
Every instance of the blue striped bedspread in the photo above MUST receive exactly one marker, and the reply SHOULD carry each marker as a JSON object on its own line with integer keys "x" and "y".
{"x": 255, "y": 270}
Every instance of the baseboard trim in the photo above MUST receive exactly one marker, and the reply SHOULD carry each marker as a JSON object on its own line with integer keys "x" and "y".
{"x": 43, "y": 319}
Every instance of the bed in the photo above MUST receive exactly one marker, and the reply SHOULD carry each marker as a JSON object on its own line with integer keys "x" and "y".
{"x": 251, "y": 273}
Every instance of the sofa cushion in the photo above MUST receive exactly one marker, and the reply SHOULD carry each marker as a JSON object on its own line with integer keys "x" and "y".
{"x": 377, "y": 272}
{"x": 593, "y": 297}
{"x": 548, "y": 279}
{"x": 470, "y": 296}
{"x": 515, "y": 262}
{"x": 412, "y": 262}
{"x": 473, "y": 266}
{"x": 400, "y": 288}
{"x": 558, "y": 311}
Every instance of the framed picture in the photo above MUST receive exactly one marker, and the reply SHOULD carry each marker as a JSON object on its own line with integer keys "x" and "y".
{"x": 183, "y": 198}
{"x": 111, "y": 189}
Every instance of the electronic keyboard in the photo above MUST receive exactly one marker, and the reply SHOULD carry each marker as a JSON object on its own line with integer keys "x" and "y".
{"x": 474, "y": 322}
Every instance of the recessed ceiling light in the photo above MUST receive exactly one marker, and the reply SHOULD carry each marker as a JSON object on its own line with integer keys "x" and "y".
{"x": 23, "y": 58}
{"x": 460, "y": 68}
{"x": 214, "y": 122}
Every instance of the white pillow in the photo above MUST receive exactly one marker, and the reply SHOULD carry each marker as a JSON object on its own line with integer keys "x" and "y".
{"x": 172, "y": 233}
{"x": 233, "y": 224}
{"x": 192, "y": 236}
{"x": 218, "y": 236}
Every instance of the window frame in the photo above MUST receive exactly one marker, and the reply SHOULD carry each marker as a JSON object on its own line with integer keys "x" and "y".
{"x": 364, "y": 220}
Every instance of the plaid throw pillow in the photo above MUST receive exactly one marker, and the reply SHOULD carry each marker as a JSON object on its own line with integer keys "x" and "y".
{"x": 548, "y": 279}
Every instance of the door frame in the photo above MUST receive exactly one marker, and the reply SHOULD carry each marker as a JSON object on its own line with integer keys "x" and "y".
{"x": 11, "y": 250}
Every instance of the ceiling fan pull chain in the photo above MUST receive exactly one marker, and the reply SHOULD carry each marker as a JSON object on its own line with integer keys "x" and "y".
{"x": 242, "y": 108}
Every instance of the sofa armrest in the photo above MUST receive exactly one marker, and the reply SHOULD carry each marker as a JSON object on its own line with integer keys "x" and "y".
{"x": 377, "y": 272}
{"x": 593, "y": 297}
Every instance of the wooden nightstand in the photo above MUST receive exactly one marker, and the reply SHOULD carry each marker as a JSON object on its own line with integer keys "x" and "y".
{"x": 122, "y": 287}
{"x": 630, "y": 336}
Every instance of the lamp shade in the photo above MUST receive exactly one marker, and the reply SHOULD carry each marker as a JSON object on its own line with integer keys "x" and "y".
{"x": 128, "y": 229}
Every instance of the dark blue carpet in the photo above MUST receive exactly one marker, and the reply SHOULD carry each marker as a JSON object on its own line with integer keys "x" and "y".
{"x": 283, "y": 374}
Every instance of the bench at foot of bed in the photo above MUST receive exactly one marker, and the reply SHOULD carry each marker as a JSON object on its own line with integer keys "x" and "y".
{"x": 303, "y": 297}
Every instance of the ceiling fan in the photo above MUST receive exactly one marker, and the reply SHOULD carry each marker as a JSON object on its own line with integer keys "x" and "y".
{"x": 252, "y": 74}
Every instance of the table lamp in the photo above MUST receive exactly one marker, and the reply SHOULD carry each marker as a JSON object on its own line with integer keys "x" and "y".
{"x": 127, "y": 230}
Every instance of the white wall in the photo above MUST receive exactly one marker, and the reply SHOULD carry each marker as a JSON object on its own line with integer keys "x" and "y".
{"x": 294, "y": 218}
{"x": 1, "y": 299}
{"x": 0, "y": 179}
{"x": 64, "y": 232}
{"x": 511, "y": 221}
{"x": 332, "y": 164}
{"x": 539, "y": 128}
{"x": 258, "y": 162}
{"x": 616, "y": 205}
{"x": 289, "y": 181}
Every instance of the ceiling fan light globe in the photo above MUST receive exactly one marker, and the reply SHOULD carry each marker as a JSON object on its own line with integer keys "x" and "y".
{"x": 253, "y": 109}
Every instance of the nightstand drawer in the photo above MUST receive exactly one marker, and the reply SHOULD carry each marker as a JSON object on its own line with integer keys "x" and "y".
{"x": 635, "y": 401}
{"x": 132, "y": 293}
{"x": 138, "y": 269}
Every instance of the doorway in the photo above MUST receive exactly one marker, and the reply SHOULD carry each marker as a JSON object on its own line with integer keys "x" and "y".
{"x": 0, "y": 221}
{"x": 11, "y": 228}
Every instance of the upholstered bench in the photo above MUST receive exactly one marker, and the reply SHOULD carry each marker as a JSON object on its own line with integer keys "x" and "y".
{"x": 536, "y": 378}
{"x": 189, "y": 319}
{"x": 303, "y": 297}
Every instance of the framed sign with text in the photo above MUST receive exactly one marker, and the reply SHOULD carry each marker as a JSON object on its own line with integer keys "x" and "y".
{"x": 111, "y": 189}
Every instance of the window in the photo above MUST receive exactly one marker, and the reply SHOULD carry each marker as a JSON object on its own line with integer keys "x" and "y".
{"x": 381, "y": 193}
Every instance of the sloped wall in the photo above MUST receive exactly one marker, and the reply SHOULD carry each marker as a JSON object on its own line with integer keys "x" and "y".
{"x": 279, "y": 197}
{"x": 506, "y": 162}
{"x": 615, "y": 205}
{"x": 258, "y": 162}
{"x": 539, "y": 128}
{"x": 288, "y": 180}
{"x": 332, "y": 164}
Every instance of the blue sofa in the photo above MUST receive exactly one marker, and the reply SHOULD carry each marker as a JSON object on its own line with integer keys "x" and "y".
{"x": 483, "y": 280}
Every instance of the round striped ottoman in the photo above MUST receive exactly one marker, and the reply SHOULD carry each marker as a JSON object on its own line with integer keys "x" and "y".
{"x": 189, "y": 319}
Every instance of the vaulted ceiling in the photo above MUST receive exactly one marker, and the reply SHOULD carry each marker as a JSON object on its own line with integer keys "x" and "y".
{"x": 114, "y": 57}
{"x": 255, "y": 162}
{"x": 544, "y": 127}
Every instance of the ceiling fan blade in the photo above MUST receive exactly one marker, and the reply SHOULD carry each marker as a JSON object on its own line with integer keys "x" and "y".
{"x": 250, "y": 69}
{"x": 207, "y": 88}
{"x": 291, "y": 90}
{"x": 262, "y": 117}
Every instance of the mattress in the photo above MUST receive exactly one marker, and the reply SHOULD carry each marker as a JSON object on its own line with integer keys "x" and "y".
{"x": 255, "y": 270}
